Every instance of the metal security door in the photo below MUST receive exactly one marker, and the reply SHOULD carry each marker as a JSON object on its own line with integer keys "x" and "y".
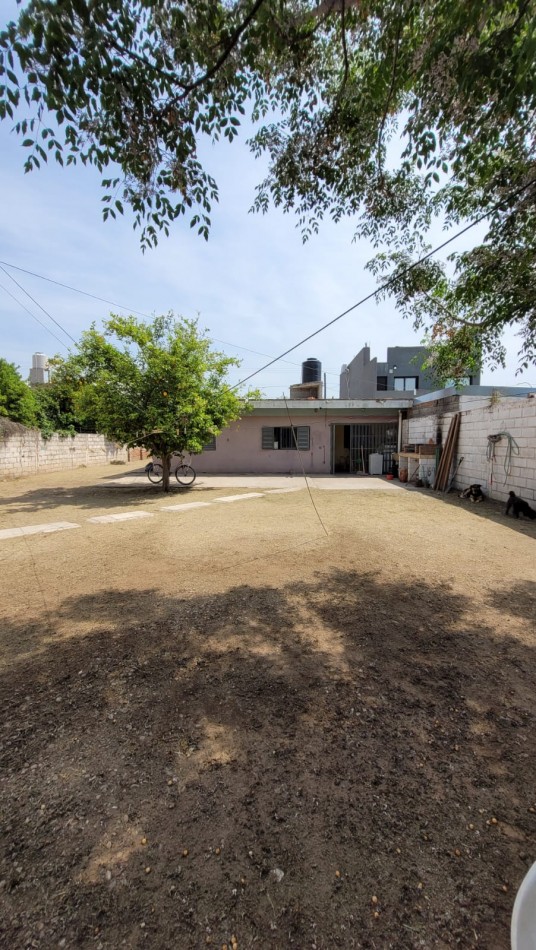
{"x": 371, "y": 437}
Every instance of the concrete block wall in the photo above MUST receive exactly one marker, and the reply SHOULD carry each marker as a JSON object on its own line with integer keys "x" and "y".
{"x": 481, "y": 417}
{"x": 26, "y": 453}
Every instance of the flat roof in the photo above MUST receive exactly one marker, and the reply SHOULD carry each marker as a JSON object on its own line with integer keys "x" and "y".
{"x": 474, "y": 391}
{"x": 331, "y": 405}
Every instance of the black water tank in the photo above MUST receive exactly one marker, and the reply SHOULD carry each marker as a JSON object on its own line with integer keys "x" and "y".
{"x": 311, "y": 371}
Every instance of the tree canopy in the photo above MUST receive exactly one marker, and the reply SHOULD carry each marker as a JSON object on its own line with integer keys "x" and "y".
{"x": 392, "y": 111}
{"x": 159, "y": 385}
{"x": 57, "y": 399}
{"x": 17, "y": 401}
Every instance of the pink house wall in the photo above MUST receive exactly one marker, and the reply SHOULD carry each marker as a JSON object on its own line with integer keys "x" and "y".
{"x": 238, "y": 448}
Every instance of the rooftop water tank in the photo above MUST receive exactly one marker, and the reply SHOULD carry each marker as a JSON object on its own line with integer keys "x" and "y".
{"x": 311, "y": 371}
{"x": 39, "y": 361}
{"x": 39, "y": 370}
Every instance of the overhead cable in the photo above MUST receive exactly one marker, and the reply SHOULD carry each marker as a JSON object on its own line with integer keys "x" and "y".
{"x": 389, "y": 282}
{"x": 49, "y": 315}
{"x": 24, "y": 307}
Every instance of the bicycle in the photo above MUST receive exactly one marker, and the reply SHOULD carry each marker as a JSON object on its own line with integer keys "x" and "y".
{"x": 184, "y": 473}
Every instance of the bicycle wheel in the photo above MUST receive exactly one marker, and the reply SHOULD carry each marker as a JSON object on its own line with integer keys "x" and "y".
{"x": 155, "y": 473}
{"x": 185, "y": 475}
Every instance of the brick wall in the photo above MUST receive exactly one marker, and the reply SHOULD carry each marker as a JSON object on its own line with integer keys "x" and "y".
{"x": 137, "y": 454}
{"x": 26, "y": 452}
{"x": 480, "y": 417}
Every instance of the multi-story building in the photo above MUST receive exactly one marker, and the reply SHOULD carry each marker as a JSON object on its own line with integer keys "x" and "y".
{"x": 402, "y": 372}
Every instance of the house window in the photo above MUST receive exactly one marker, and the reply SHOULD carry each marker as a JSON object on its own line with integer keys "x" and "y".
{"x": 381, "y": 384}
{"x": 210, "y": 446}
{"x": 406, "y": 383}
{"x": 286, "y": 437}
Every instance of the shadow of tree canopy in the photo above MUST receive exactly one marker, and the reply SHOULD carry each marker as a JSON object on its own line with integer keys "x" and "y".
{"x": 264, "y": 762}
{"x": 99, "y": 495}
{"x": 519, "y": 601}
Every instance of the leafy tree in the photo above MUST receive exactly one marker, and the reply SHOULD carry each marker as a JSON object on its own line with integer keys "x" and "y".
{"x": 17, "y": 400}
{"x": 392, "y": 111}
{"x": 57, "y": 400}
{"x": 160, "y": 385}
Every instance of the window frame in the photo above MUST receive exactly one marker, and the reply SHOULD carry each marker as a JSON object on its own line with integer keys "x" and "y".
{"x": 299, "y": 438}
{"x": 405, "y": 379}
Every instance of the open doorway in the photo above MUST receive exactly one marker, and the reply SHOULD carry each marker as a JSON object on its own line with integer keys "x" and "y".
{"x": 352, "y": 445}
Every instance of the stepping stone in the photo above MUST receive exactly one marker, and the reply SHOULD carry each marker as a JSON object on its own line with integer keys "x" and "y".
{"x": 38, "y": 529}
{"x": 122, "y": 516}
{"x": 253, "y": 494}
{"x": 190, "y": 504}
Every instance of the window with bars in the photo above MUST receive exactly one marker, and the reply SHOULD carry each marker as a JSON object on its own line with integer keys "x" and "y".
{"x": 211, "y": 445}
{"x": 286, "y": 437}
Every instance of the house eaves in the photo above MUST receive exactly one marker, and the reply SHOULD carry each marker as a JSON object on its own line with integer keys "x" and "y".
{"x": 473, "y": 391}
{"x": 331, "y": 407}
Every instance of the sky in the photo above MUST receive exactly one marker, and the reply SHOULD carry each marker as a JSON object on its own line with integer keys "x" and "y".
{"x": 255, "y": 287}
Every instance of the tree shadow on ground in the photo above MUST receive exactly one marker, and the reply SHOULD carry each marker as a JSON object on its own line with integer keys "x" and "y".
{"x": 519, "y": 601}
{"x": 96, "y": 496}
{"x": 264, "y": 762}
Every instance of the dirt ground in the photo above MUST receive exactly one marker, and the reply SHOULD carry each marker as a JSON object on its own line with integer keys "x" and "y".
{"x": 223, "y": 726}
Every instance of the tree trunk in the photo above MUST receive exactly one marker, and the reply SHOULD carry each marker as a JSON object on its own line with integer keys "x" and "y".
{"x": 166, "y": 464}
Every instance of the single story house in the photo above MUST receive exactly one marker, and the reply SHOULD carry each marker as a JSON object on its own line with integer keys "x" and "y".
{"x": 318, "y": 436}
{"x": 496, "y": 446}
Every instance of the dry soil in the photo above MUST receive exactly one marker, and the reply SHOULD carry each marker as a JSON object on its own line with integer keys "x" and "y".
{"x": 261, "y": 724}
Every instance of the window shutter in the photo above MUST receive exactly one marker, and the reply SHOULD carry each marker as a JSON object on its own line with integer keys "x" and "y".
{"x": 302, "y": 438}
{"x": 267, "y": 437}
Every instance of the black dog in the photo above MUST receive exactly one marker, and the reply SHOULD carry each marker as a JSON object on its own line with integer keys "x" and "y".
{"x": 519, "y": 506}
{"x": 473, "y": 493}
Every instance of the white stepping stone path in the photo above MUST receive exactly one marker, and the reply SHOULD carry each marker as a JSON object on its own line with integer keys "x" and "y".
{"x": 253, "y": 494}
{"x": 190, "y": 504}
{"x": 124, "y": 516}
{"x": 38, "y": 529}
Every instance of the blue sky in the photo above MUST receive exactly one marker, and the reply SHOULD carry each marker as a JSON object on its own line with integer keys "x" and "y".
{"x": 254, "y": 285}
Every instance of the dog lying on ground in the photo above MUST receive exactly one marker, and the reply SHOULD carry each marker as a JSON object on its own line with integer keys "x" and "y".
{"x": 519, "y": 506}
{"x": 474, "y": 493}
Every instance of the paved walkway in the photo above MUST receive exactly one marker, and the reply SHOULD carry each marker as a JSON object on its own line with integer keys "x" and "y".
{"x": 292, "y": 482}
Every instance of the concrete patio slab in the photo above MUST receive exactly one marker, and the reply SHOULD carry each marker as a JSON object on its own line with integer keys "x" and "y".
{"x": 272, "y": 482}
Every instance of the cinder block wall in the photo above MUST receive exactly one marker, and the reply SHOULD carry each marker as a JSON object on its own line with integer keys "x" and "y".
{"x": 27, "y": 453}
{"x": 481, "y": 417}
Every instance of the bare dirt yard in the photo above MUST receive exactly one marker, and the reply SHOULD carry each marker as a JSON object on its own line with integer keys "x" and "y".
{"x": 223, "y": 726}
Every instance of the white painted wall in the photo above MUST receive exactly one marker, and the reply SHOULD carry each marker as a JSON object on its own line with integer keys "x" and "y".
{"x": 482, "y": 416}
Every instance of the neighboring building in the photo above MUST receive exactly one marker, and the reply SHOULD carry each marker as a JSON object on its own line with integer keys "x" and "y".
{"x": 402, "y": 372}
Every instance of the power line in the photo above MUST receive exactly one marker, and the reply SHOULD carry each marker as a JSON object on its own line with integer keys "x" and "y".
{"x": 388, "y": 283}
{"x": 76, "y": 290}
{"x": 33, "y": 315}
{"x": 257, "y": 353}
{"x": 139, "y": 313}
{"x": 49, "y": 315}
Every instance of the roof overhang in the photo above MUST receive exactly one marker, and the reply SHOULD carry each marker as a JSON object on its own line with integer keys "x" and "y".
{"x": 329, "y": 407}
